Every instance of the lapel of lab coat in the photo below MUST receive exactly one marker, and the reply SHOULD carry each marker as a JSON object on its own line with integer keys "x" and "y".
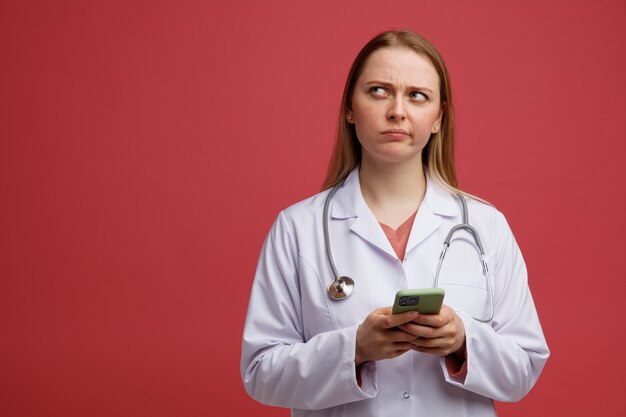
{"x": 349, "y": 203}
{"x": 437, "y": 204}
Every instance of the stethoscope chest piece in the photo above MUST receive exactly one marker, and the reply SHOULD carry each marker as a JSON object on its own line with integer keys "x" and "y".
{"x": 340, "y": 288}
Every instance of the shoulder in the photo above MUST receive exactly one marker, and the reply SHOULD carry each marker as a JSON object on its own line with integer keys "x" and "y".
{"x": 482, "y": 209}
{"x": 311, "y": 206}
{"x": 490, "y": 223}
{"x": 302, "y": 214}
{"x": 485, "y": 213}
{"x": 446, "y": 201}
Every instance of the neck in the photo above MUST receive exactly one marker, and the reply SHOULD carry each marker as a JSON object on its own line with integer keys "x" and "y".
{"x": 392, "y": 191}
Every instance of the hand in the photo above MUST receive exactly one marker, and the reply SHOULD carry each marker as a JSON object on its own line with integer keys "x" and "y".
{"x": 378, "y": 337}
{"x": 437, "y": 334}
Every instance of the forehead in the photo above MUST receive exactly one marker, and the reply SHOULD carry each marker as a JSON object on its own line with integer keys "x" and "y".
{"x": 400, "y": 66}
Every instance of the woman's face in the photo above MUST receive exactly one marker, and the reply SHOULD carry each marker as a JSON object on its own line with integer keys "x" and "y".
{"x": 395, "y": 106}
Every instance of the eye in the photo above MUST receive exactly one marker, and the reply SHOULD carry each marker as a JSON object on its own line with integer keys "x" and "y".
{"x": 418, "y": 96}
{"x": 378, "y": 92}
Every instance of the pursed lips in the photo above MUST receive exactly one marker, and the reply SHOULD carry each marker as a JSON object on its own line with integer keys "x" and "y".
{"x": 395, "y": 133}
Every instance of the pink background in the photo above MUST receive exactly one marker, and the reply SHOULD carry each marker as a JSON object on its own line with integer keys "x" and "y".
{"x": 147, "y": 146}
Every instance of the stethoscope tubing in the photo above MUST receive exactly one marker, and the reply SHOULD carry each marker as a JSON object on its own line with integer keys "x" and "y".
{"x": 341, "y": 287}
{"x": 446, "y": 244}
{"x": 329, "y": 253}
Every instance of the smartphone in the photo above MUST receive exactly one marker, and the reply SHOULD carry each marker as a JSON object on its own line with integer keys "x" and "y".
{"x": 424, "y": 301}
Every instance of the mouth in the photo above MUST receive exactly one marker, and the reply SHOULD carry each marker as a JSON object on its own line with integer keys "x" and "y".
{"x": 395, "y": 133}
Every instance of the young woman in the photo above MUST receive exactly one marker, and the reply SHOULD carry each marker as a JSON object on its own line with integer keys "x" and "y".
{"x": 325, "y": 347}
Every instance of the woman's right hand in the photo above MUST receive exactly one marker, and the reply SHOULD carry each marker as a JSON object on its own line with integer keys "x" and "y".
{"x": 379, "y": 338}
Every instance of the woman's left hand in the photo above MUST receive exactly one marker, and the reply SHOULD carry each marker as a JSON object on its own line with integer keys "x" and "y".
{"x": 437, "y": 334}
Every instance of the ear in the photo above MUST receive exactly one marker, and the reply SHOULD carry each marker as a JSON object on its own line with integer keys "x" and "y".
{"x": 350, "y": 117}
{"x": 437, "y": 124}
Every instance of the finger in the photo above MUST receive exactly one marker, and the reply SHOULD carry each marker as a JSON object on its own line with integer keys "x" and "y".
{"x": 432, "y": 351}
{"x": 400, "y": 336}
{"x": 437, "y": 343}
{"x": 387, "y": 320}
{"x": 446, "y": 314}
{"x": 419, "y": 330}
{"x": 403, "y": 346}
{"x": 384, "y": 310}
{"x": 432, "y": 320}
{"x": 394, "y": 320}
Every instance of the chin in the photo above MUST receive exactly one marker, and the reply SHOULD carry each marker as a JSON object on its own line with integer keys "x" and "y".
{"x": 396, "y": 158}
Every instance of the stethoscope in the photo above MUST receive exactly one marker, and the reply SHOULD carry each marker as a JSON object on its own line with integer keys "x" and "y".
{"x": 342, "y": 287}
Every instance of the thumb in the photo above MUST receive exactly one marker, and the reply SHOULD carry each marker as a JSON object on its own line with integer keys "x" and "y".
{"x": 393, "y": 320}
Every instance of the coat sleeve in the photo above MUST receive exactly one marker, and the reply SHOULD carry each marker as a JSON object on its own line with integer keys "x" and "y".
{"x": 278, "y": 366}
{"x": 505, "y": 357}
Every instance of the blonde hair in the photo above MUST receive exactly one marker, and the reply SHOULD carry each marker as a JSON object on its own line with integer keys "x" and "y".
{"x": 437, "y": 155}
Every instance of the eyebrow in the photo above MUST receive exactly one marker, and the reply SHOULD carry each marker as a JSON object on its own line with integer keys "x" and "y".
{"x": 388, "y": 84}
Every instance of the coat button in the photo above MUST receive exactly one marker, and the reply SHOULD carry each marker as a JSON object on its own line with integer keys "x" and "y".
{"x": 406, "y": 395}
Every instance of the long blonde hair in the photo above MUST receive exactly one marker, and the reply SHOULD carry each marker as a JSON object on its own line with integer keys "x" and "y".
{"x": 437, "y": 155}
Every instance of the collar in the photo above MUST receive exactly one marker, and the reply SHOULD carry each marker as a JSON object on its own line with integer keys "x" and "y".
{"x": 349, "y": 202}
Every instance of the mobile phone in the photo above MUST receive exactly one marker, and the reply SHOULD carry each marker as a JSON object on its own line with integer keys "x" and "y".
{"x": 424, "y": 300}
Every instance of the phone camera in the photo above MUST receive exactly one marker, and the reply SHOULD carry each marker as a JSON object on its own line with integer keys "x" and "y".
{"x": 410, "y": 300}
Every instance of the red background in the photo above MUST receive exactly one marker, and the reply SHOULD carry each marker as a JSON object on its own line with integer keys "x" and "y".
{"x": 147, "y": 146}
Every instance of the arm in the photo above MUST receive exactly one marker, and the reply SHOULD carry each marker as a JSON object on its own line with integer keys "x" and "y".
{"x": 504, "y": 357}
{"x": 278, "y": 366}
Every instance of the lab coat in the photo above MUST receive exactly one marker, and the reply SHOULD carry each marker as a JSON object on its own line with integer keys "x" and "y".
{"x": 299, "y": 345}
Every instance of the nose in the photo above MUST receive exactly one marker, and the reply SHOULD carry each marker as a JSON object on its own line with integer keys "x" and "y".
{"x": 396, "y": 110}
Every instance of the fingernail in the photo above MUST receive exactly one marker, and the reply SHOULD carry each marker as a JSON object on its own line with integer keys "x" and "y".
{"x": 414, "y": 314}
